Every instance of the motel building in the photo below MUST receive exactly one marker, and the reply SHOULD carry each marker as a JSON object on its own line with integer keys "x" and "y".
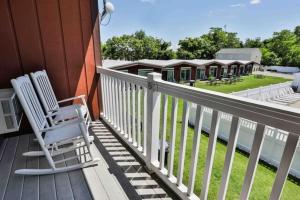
{"x": 185, "y": 70}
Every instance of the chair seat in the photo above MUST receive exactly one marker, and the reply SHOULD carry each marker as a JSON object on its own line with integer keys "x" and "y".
{"x": 64, "y": 133}
{"x": 69, "y": 112}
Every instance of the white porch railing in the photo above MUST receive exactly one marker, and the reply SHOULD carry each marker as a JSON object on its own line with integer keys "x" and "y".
{"x": 132, "y": 107}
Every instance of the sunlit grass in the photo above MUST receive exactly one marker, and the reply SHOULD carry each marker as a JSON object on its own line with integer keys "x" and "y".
{"x": 247, "y": 82}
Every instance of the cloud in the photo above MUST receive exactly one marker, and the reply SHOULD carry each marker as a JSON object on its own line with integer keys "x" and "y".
{"x": 255, "y": 2}
{"x": 237, "y": 5}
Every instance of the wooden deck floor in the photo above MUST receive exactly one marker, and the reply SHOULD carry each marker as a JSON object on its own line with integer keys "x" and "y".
{"x": 124, "y": 163}
{"x": 70, "y": 185}
{"x": 117, "y": 176}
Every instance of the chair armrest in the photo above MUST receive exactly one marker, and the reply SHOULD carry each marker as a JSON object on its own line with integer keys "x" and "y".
{"x": 63, "y": 124}
{"x": 82, "y": 97}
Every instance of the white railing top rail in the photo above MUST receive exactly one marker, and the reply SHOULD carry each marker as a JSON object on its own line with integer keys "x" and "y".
{"x": 124, "y": 76}
{"x": 278, "y": 116}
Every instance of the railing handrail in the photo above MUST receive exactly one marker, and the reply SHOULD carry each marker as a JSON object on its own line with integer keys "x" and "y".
{"x": 278, "y": 116}
{"x": 138, "y": 80}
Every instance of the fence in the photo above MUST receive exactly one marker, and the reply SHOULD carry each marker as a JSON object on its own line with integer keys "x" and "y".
{"x": 274, "y": 141}
{"x": 259, "y": 93}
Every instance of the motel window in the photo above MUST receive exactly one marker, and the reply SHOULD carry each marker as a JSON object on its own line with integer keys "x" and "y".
{"x": 185, "y": 74}
{"x": 234, "y": 70}
{"x": 124, "y": 70}
{"x": 213, "y": 71}
{"x": 200, "y": 74}
{"x": 224, "y": 72}
{"x": 144, "y": 72}
{"x": 170, "y": 75}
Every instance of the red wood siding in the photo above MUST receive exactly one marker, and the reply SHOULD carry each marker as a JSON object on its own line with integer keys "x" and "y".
{"x": 61, "y": 36}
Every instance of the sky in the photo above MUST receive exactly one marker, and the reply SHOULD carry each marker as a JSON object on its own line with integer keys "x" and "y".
{"x": 173, "y": 20}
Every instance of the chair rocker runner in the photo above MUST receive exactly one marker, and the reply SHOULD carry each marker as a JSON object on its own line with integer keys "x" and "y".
{"x": 51, "y": 138}
{"x": 51, "y": 105}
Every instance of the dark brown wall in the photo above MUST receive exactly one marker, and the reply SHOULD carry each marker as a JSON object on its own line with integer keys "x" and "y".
{"x": 61, "y": 36}
{"x": 207, "y": 68}
{"x": 193, "y": 73}
{"x": 177, "y": 71}
{"x": 219, "y": 70}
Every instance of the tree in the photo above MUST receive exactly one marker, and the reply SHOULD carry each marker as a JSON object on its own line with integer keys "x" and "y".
{"x": 269, "y": 58}
{"x": 206, "y": 46}
{"x": 254, "y": 43}
{"x": 194, "y": 48}
{"x": 137, "y": 46}
{"x": 297, "y": 32}
{"x": 285, "y": 45}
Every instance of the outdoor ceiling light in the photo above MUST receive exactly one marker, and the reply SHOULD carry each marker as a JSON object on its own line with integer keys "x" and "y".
{"x": 108, "y": 8}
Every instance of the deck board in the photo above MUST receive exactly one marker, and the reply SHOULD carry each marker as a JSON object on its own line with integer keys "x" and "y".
{"x": 47, "y": 188}
{"x": 63, "y": 184}
{"x": 31, "y": 183}
{"x": 78, "y": 183}
{"x": 15, "y": 183}
{"x": 2, "y": 147}
{"x": 6, "y": 164}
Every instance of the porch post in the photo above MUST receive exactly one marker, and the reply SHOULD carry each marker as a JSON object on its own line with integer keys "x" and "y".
{"x": 219, "y": 68}
{"x": 207, "y": 68}
{"x": 229, "y": 69}
{"x": 153, "y": 120}
{"x": 177, "y": 71}
{"x": 238, "y": 70}
{"x": 193, "y": 73}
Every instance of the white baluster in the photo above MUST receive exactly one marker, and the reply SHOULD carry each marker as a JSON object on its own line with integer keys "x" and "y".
{"x": 163, "y": 130}
{"x": 128, "y": 113}
{"x": 172, "y": 136}
{"x": 120, "y": 107}
{"x": 184, "y": 130}
{"x": 145, "y": 121}
{"x": 195, "y": 151}
{"x": 284, "y": 167}
{"x": 124, "y": 109}
{"x": 253, "y": 161}
{"x": 210, "y": 153}
{"x": 234, "y": 132}
{"x": 138, "y": 127}
{"x": 133, "y": 115}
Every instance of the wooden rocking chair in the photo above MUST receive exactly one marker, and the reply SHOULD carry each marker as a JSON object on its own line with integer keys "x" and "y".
{"x": 51, "y": 105}
{"x": 51, "y": 138}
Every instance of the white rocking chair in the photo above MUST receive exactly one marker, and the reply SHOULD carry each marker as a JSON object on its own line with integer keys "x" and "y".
{"x": 51, "y": 138}
{"x": 51, "y": 105}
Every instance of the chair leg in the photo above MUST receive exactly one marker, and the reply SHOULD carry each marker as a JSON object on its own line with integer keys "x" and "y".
{"x": 56, "y": 170}
{"x": 85, "y": 137}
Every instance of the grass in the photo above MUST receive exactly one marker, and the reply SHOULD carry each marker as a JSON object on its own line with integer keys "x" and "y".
{"x": 264, "y": 176}
{"x": 248, "y": 82}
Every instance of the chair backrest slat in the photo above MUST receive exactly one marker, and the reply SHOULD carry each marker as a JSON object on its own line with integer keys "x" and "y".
{"x": 30, "y": 103}
{"x": 45, "y": 91}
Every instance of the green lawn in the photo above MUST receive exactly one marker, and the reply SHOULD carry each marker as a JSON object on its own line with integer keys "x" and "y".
{"x": 247, "y": 82}
{"x": 264, "y": 177}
